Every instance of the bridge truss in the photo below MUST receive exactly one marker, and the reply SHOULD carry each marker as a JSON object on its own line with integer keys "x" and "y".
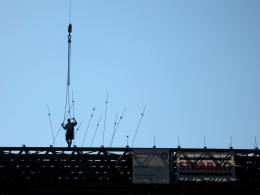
{"x": 101, "y": 170}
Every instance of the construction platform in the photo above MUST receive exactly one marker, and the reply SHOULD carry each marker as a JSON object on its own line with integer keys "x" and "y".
{"x": 104, "y": 170}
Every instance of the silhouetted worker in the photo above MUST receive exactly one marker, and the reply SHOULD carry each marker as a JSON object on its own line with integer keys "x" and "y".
{"x": 69, "y": 127}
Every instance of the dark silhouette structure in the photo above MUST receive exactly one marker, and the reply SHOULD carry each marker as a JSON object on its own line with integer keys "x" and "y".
{"x": 69, "y": 127}
{"x": 63, "y": 170}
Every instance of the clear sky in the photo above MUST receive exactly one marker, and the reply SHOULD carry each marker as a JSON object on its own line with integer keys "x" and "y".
{"x": 195, "y": 64}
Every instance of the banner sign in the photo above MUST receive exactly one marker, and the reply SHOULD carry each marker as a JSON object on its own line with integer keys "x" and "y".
{"x": 205, "y": 166}
{"x": 151, "y": 166}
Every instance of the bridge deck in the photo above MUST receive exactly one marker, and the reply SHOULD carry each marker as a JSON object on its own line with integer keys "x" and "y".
{"x": 108, "y": 171}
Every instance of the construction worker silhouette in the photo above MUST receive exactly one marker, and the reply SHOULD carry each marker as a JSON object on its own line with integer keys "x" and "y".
{"x": 69, "y": 127}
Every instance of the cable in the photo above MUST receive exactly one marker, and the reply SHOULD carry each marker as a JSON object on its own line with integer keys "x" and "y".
{"x": 73, "y": 110}
{"x": 65, "y": 116}
{"x": 53, "y": 141}
{"x": 65, "y": 110}
{"x": 138, "y": 125}
{"x": 89, "y": 121}
{"x": 67, "y": 98}
{"x": 116, "y": 125}
{"x": 95, "y": 131}
{"x": 69, "y": 103}
{"x": 70, "y": 11}
{"x": 103, "y": 139}
{"x": 81, "y": 122}
{"x": 69, "y": 64}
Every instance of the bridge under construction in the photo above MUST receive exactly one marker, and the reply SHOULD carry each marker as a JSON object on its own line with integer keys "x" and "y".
{"x": 107, "y": 170}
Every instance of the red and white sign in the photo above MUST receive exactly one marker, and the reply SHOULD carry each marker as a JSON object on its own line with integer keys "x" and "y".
{"x": 205, "y": 166}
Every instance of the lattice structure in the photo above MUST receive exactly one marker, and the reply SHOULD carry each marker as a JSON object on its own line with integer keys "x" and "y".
{"x": 108, "y": 171}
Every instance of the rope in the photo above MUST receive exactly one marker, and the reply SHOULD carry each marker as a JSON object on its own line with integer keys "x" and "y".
{"x": 67, "y": 99}
{"x": 65, "y": 116}
{"x": 69, "y": 63}
{"x": 65, "y": 110}
{"x": 69, "y": 56}
{"x": 138, "y": 125}
{"x": 69, "y": 103}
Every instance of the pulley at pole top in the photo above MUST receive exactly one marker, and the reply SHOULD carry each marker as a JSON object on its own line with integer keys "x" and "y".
{"x": 70, "y": 28}
{"x": 69, "y": 36}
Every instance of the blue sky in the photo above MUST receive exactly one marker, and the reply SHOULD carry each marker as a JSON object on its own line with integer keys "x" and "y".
{"x": 195, "y": 64}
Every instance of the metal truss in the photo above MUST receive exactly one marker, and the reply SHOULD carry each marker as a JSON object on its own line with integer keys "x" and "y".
{"x": 102, "y": 169}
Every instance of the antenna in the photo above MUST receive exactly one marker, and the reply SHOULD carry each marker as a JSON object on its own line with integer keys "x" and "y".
{"x": 73, "y": 101}
{"x": 154, "y": 145}
{"x": 230, "y": 142}
{"x": 256, "y": 147}
{"x": 89, "y": 121}
{"x": 127, "y": 136}
{"x": 95, "y": 130}
{"x": 204, "y": 140}
{"x": 81, "y": 122}
{"x": 179, "y": 142}
{"x": 105, "y": 118}
{"x": 53, "y": 140}
{"x": 138, "y": 125}
{"x": 116, "y": 125}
